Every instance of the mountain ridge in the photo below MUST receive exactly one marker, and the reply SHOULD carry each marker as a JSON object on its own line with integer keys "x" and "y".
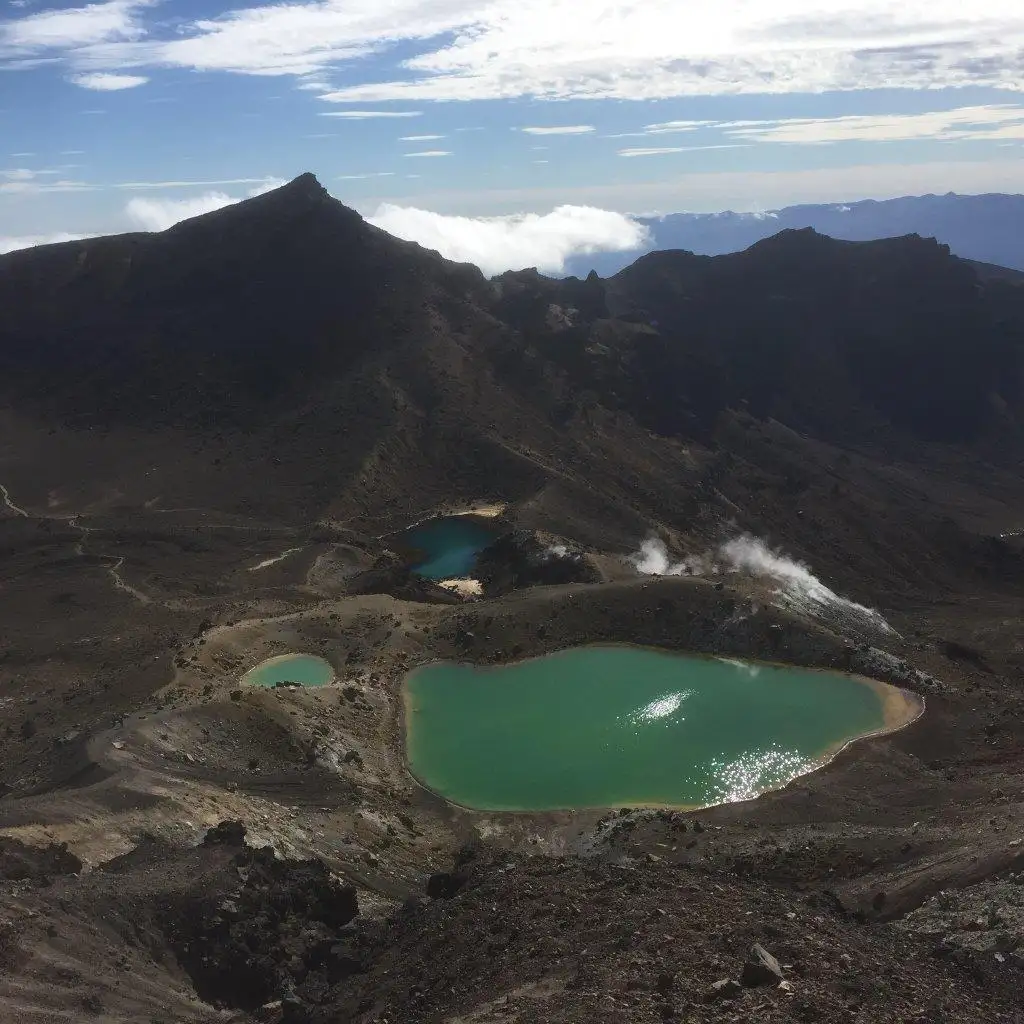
{"x": 987, "y": 228}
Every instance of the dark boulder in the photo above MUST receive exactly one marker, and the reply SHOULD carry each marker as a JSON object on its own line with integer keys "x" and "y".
{"x": 443, "y": 885}
{"x": 21, "y": 862}
{"x": 227, "y": 833}
{"x": 761, "y": 968}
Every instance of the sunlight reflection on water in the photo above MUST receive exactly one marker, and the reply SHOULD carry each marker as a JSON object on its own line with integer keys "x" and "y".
{"x": 751, "y": 774}
{"x": 663, "y": 707}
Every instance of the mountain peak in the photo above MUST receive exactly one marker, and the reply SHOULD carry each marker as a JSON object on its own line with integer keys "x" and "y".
{"x": 305, "y": 184}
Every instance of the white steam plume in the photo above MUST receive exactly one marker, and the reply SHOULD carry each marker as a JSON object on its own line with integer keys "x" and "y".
{"x": 798, "y": 588}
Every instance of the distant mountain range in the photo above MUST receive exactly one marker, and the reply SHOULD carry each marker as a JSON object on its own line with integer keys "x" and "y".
{"x": 988, "y": 228}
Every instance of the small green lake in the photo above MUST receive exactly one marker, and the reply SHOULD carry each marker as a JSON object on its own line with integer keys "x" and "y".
{"x": 618, "y": 726}
{"x": 447, "y": 548}
{"x": 302, "y": 669}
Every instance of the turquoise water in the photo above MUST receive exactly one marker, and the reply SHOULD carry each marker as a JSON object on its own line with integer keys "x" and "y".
{"x": 448, "y": 547}
{"x": 622, "y": 726}
{"x": 305, "y": 669}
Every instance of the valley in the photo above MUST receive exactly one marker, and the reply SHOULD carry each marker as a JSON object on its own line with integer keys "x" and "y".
{"x": 179, "y": 519}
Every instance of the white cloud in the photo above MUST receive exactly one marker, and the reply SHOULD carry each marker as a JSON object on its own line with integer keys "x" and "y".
{"x": 104, "y": 82}
{"x": 18, "y": 174}
{"x": 496, "y": 244}
{"x": 161, "y": 214}
{"x": 551, "y": 49}
{"x": 430, "y": 152}
{"x": 420, "y": 138}
{"x": 569, "y": 129}
{"x": 670, "y": 127}
{"x": 25, "y": 181}
{"x": 660, "y": 150}
{"x": 651, "y": 151}
{"x": 649, "y": 49}
{"x": 301, "y": 38}
{"x": 72, "y": 27}
{"x": 10, "y": 244}
{"x": 263, "y": 184}
{"x": 365, "y": 115}
{"x": 993, "y": 122}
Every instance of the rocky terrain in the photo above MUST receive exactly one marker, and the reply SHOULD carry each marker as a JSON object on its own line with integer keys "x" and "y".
{"x": 208, "y": 440}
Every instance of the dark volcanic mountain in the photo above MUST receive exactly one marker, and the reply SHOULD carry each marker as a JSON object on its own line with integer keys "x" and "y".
{"x": 367, "y": 377}
{"x": 245, "y": 309}
{"x": 253, "y": 311}
{"x": 211, "y": 442}
{"x": 988, "y": 228}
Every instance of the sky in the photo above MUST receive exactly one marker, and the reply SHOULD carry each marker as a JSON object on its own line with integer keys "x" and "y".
{"x": 525, "y": 126}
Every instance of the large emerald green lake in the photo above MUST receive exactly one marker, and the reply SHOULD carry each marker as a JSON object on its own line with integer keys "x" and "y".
{"x": 617, "y": 726}
{"x": 301, "y": 669}
{"x": 448, "y": 547}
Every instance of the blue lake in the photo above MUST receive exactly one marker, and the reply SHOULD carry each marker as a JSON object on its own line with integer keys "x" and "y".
{"x": 447, "y": 548}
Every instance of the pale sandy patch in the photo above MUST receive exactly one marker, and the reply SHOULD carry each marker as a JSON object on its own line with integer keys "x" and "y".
{"x": 467, "y": 588}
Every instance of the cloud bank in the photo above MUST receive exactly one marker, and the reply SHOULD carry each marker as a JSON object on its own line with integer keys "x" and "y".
{"x": 161, "y": 214}
{"x": 11, "y": 244}
{"x": 497, "y": 244}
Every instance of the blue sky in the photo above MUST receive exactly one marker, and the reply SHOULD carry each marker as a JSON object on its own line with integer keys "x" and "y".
{"x": 128, "y": 114}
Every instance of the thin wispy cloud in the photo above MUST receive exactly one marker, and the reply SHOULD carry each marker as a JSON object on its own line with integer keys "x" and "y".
{"x": 663, "y": 150}
{"x": 671, "y": 127}
{"x": 420, "y": 138}
{"x": 569, "y": 129}
{"x": 361, "y": 177}
{"x": 430, "y": 152}
{"x": 263, "y": 184}
{"x": 102, "y": 81}
{"x": 984, "y": 123}
{"x": 26, "y": 181}
{"x": 367, "y": 115}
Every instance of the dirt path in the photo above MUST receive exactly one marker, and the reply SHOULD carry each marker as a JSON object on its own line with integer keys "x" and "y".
{"x": 10, "y": 504}
{"x": 126, "y": 587}
{"x": 273, "y": 561}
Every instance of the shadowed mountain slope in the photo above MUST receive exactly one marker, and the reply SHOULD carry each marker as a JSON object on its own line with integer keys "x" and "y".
{"x": 281, "y": 356}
